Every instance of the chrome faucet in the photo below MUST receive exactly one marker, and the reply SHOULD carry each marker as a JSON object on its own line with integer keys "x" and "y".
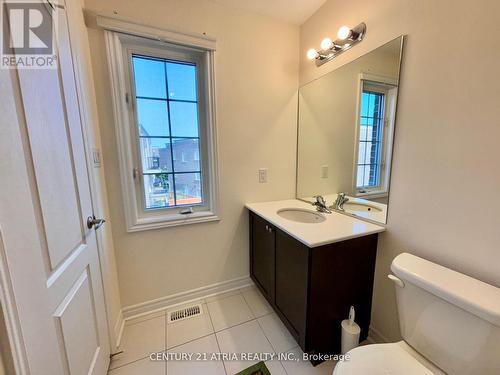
{"x": 339, "y": 202}
{"x": 321, "y": 204}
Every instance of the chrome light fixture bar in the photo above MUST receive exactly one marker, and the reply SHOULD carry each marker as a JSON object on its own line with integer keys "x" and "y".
{"x": 346, "y": 39}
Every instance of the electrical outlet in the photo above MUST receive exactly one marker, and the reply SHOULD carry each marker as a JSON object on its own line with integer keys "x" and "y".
{"x": 324, "y": 171}
{"x": 262, "y": 175}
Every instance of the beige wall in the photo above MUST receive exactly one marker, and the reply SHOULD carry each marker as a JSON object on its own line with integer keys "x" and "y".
{"x": 328, "y": 119}
{"x": 256, "y": 78}
{"x": 443, "y": 202}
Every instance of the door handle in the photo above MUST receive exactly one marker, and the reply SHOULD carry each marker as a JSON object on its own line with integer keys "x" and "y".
{"x": 92, "y": 222}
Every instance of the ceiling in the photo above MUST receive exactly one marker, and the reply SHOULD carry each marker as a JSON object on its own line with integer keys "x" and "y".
{"x": 292, "y": 11}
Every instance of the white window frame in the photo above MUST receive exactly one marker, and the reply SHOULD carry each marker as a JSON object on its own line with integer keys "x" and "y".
{"x": 390, "y": 90}
{"x": 123, "y": 39}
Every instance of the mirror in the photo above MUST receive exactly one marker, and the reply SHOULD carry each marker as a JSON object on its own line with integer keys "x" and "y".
{"x": 346, "y": 128}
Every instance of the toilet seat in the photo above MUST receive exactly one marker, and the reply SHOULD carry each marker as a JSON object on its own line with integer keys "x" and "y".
{"x": 386, "y": 359}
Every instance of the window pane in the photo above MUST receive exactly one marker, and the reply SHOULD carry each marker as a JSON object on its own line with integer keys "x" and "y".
{"x": 369, "y": 153}
{"x": 181, "y": 81}
{"x": 363, "y": 130}
{"x": 371, "y": 130}
{"x": 159, "y": 190}
{"x": 185, "y": 155}
{"x": 371, "y": 125}
{"x": 366, "y": 121}
{"x": 369, "y": 121}
{"x": 153, "y": 117}
{"x": 169, "y": 134}
{"x": 360, "y": 176}
{"x": 376, "y": 153}
{"x": 149, "y": 77}
{"x": 364, "y": 104}
{"x": 155, "y": 155}
{"x": 188, "y": 188}
{"x": 362, "y": 153}
{"x": 184, "y": 118}
{"x": 371, "y": 105}
{"x": 373, "y": 175}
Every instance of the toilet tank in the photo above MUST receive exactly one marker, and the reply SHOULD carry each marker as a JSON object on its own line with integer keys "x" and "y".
{"x": 451, "y": 319}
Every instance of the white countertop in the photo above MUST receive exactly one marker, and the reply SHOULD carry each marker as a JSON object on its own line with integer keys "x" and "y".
{"x": 337, "y": 227}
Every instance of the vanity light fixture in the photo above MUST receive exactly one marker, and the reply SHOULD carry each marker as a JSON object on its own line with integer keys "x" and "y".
{"x": 344, "y": 32}
{"x": 347, "y": 38}
{"x": 312, "y": 54}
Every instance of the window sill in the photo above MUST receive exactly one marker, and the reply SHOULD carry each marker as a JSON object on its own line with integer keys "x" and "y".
{"x": 373, "y": 194}
{"x": 173, "y": 220}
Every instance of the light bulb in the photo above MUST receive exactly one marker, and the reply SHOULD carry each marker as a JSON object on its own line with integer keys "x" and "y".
{"x": 326, "y": 44}
{"x": 344, "y": 32}
{"x": 312, "y": 54}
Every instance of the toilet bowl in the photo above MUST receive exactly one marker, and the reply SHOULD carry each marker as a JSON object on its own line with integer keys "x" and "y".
{"x": 386, "y": 359}
{"x": 450, "y": 324}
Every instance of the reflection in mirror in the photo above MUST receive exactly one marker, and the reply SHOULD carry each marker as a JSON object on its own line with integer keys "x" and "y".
{"x": 345, "y": 134}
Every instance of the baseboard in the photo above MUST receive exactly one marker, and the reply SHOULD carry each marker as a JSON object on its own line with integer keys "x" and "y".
{"x": 134, "y": 311}
{"x": 375, "y": 337}
{"x": 118, "y": 329}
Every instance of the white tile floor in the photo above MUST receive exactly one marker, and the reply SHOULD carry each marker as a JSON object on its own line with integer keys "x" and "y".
{"x": 236, "y": 322}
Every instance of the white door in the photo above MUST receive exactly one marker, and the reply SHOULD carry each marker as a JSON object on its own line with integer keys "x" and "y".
{"x": 47, "y": 252}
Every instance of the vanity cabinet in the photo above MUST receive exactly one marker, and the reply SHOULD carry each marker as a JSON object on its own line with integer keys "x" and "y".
{"x": 262, "y": 259}
{"x": 311, "y": 289}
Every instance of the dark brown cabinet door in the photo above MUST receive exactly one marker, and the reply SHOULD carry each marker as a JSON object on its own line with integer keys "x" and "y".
{"x": 262, "y": 255}
{"x": 292, "y": 258}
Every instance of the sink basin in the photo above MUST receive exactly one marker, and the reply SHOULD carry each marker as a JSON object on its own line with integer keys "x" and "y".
{"x": 360, "y": 207}
{"x": 301, "y": 215}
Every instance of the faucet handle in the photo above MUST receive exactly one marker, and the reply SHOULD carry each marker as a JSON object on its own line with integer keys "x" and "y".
{"x": 341, "y": 197}
{"x": 320, "y": 199}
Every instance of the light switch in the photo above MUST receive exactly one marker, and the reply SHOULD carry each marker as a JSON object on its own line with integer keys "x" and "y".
{"x": 262, "y": 175}
{"x": 324, "y": 171}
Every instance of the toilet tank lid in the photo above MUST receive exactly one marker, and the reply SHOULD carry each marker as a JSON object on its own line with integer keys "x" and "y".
{"x": 472, "y": 295}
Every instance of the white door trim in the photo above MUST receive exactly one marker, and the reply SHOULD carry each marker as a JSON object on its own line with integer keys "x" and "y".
{"x": 91, "y": 139}
{"x": 8, "y": 306}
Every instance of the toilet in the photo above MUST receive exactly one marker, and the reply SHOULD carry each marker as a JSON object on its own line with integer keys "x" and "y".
{"x": 450, "y": 324}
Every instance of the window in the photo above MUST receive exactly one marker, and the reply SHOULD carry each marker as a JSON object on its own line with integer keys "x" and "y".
{"x": 371, "y": 126}
{"x": 167, "y": 124}
{"x": 374, "y": 137}
{"x": 165, "y": 129}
